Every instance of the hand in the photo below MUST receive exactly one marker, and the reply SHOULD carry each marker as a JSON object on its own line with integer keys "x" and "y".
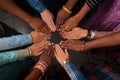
{"x": 69, "y": 24}
{"x": 62, "y": 16}
{"x": 38, "y": 36}
{"x": 76, "y": 33}
{"x": 75, "y": 45}
{"x": 36, "y": 49}
{"x": 47, "y": 55}
{"x": 39, "y": 25}
{"x": 48, "y": 19}
{"x": 60, "y": 54}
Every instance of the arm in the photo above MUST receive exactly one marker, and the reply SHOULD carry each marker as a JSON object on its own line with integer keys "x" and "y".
{"x": 36, "y": 4}
{"x": 74, "y": 21}
{"x": 10, "y": 6}
{"x": 63, "y": 59}
{"x": 99, "y": 34}
{"x": 34, "y": 75}
{"x": 110, "y": 40}
{"x": 73, "y": 72}
{"x": 46, "y": 15}
{"x": 42, "y": 65}
{"x": 10, "y": 56}
{"x": 64, "y": 12}
{"x": 15, "y": 41}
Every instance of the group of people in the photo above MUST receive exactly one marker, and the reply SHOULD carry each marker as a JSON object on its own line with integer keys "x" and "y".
{"x": 100, "y": 30}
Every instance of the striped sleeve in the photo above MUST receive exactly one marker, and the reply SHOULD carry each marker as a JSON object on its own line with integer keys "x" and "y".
{"x": 93, "y": 3}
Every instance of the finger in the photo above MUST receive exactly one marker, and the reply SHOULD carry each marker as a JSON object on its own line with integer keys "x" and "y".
{"x": 46, "y": 29}
{"x": 66, "y": 52}
{"x": 58, "y": 21}
{"x": 53, "y": 25}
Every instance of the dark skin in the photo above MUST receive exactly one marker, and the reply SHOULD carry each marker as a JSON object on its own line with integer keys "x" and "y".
{"x": 72, "y": 44}
{"x": 47, "y": 57}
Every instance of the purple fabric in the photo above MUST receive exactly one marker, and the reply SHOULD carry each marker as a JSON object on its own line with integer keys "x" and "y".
{"x": 106, "y": 18}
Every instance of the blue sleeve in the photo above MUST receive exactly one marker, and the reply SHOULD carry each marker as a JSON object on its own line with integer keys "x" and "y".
{"x": 37, "y": 4}
{"x": 15, "y": 41}
{"x": 6, "y": 57}
{"x": 73, "y": 72}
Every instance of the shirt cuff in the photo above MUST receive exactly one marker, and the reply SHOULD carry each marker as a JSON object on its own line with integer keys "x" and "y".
{"x": 23, "y": 53}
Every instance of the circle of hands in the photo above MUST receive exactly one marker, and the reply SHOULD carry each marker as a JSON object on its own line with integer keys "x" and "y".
{"x": 68, "y": 31}
{"x": 48, "y": 50}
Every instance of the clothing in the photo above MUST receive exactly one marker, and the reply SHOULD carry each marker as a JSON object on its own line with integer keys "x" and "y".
{"x": 93, "y": 3}
{"x": 99, "y": 72}
{"x": 106, "y": 20}
{"x": 16, "y": 70}
{"x": 15, "y": 41}
{"x": 37, "y": 4}
{"x": 11, "y": 56}
{"x": 73, "y": 72}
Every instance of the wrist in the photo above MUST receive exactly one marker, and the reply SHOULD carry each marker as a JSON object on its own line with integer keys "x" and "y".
{"x": 66, "y": 9}
{"x": 41, "y": 65}
{"x": 65, "y": 62}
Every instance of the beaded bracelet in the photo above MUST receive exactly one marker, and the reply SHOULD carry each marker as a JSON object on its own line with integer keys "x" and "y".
{"x": 42, "y": 66}
{"x": 83, "y": 46}
{"x": 66, "y": 9}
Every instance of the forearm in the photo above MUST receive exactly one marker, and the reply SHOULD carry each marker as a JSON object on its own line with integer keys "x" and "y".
{"x": 70, "y": 4}
{"x": 34, "y": 75}
{"x": 37, "y": 4}
{"x": 11, "y": 7}
{"x": 15, "y": 41}
{"x": 109, "y": 40}
{"x": 83, "y": 11}
{"x": 73, "y": 72}
{"x": 10, "y": 56}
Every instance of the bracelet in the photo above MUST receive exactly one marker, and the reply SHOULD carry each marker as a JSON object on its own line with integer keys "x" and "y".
{"x": 65, "y": 62}
{"x": 83, "y": 46}
{"x": 67, "y": 10}
{"x": 42, "y": 66}
{"x": 29, "y": 51}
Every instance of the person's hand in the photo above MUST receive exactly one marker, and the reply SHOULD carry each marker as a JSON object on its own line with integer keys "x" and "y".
{"x": 36, "y": 49}
{"x": 48, "y": 19}
{"x": 39, "y": 25}
{"x": 45, "y": 59}
{"x": 76, "y": 33}
{"x": 38, "y": 36}
{"x": 60, "y": 54}
{"x": 69, "y": 24}
{"x": 75, "y": 45}
{"x": 62, "y": 16}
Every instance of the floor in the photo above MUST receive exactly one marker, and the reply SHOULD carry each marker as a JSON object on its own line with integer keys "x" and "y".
{"x": 24, "y": 28}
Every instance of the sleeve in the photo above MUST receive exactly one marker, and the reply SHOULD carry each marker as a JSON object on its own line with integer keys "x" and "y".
{"x": 37, "y": 4}
{"x": 99, "y": 34}
{"x": 73, "y": 72}
{"x": 10, "y": 56}
{"x": 15, "y": 41}
{"x": 93, "y": 3}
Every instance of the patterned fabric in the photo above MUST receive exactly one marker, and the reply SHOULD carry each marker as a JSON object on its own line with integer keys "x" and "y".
{"x": 11, "y": 56}
{"x": 37, "y": 4}
{"x": 73, "y": 71}
{"x": 15, "y": 41}
{"x": 93, "y": 3}
{"x": 99, "y": 72}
